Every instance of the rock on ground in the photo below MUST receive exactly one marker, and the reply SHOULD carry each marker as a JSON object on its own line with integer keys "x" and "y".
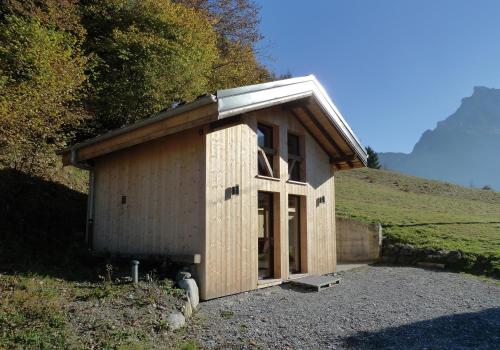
{"x": 373, "y": 307}
{"x": 176, "y": 320}
{"x": 191, "y": 288}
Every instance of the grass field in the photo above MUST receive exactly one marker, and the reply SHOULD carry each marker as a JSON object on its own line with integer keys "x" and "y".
{"x": 422, "y": 212}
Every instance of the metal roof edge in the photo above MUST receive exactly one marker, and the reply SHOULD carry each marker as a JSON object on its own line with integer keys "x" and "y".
{"x": 200, "y": 102}
{"x": 242, "y": 99}
{"x": 262, "y": 86}
{"x": 351, "y": 137}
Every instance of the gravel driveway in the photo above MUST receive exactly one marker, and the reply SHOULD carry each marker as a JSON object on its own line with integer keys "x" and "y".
{"x": 374, "y": 307}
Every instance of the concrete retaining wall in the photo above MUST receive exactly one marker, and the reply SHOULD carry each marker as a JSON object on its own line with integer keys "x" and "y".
{"x": 357, "y": 241}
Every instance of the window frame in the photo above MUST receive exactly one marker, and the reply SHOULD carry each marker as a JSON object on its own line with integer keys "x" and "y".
{"x": 298, "y": 160}
{"x": 268, "y": 157}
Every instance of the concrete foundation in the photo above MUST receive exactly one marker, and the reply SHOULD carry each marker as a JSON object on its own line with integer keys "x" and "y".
{"x": 357, "y": 241}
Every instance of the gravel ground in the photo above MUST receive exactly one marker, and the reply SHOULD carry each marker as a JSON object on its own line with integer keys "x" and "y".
{"x": 374, "y": 307}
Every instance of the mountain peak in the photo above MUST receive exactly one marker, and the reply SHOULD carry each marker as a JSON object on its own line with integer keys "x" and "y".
{"x": 480, "y": 111}
{"x": 463, "y": 148}
{"x": 483, "y": 90}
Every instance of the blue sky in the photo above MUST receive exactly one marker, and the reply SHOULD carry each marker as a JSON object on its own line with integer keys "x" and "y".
{"x": 393, "y": 67}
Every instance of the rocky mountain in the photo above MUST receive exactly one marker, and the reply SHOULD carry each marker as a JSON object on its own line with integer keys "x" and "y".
{"x": 463, "y": 149}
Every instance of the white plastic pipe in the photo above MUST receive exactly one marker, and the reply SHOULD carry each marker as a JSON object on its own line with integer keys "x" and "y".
{"x": 135, "y": 271}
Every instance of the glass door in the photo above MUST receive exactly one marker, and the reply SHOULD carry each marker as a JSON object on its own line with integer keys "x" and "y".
{"x": 266, "y": 236}
{"x": 294, "y": 234}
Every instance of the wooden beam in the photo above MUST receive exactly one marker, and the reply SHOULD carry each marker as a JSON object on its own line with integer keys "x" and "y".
{"x": 190, "y": 119}
{"x": 345, "y": 159}
{"x": 323, "y": 131}
{"x": 264, "y": 162}
{"x": 309, "y": 130}
{"x": 183, "y": 258}
{"x": 218, "y": 124}
{"x": 186, "y": 259}
{"x": 303, "y": 102}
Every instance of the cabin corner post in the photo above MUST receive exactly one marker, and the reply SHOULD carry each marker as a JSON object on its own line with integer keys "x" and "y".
{"x": 89, "y": 225}
{"x": 203, "y": 267}
{"x": 334, "y": 221}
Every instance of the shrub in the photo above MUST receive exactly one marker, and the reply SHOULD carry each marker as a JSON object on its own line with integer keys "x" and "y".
{"x": 41, "y": 75}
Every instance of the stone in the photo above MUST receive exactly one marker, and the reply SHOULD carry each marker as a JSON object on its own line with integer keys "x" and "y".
{"x": 420, "y": 252}
{"x": 182, "y": 275}
{"x": 406, "y": 260}
{"x": 407, "y": 250}
{"x": 430, "y": 265}
{"x": 389, "y": 259}
{"x": 434, "y": 258}
{"x": 388, "y": 250}
{"x": 187, "y": 309}
{"x": 191, "y": 288}
{"x": 399, "y": 245}
{"x": 429, "y": 251}
{"x": 442, "y": 253}
{"x": 453, "y": 257}
{"x": 391, "y": 250}
{"x": 176, "y": 320}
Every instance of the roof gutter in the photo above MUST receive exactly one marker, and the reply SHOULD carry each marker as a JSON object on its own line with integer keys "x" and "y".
{"x": 73, "y": 161}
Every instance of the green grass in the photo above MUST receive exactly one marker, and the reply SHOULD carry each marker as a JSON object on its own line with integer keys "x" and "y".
{"x": 43, "y": 312}
{"x": 423, "y": 212}
{"x": 31, "y": 314}
{"x": 54, "y": 294}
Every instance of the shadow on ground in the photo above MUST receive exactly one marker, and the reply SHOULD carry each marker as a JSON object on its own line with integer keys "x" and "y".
{"x": 475, "y": 330}
{"x": 42, "y": 226}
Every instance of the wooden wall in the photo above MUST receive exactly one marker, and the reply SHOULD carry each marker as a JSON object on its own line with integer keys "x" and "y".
{"x": 164, "y": 185}
{"x": 178, "y": 202}
{"x": 231, "y": 242}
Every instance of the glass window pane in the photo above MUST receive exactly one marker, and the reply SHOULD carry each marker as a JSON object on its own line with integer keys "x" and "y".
{"x": 262, "y": 171}
{"x": 293, "y": 144}
{"x": 260, "y": 137}
{"x": 265, "y": 136}
{"x": 295, "y": 173}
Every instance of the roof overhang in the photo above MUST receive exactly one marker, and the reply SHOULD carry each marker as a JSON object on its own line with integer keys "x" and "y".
{"x": 304, "y": 97}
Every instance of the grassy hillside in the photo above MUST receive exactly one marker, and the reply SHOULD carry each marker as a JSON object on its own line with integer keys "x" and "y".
{"x": 422, "y": 212}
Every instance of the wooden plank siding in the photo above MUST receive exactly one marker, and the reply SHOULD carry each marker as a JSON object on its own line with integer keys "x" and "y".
{"x": 232, "y": 222}
{"x": 178, "y": 201}
{"x": 172, "y": 125}
{"x": 164, "y": 185}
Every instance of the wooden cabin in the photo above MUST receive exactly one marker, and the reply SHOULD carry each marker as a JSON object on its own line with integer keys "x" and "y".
{"x": 241, "y": 183}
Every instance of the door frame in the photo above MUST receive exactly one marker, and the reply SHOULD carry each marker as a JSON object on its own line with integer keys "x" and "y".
{"x": 303, "y": 241}
{"x": 276, "y": 256}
